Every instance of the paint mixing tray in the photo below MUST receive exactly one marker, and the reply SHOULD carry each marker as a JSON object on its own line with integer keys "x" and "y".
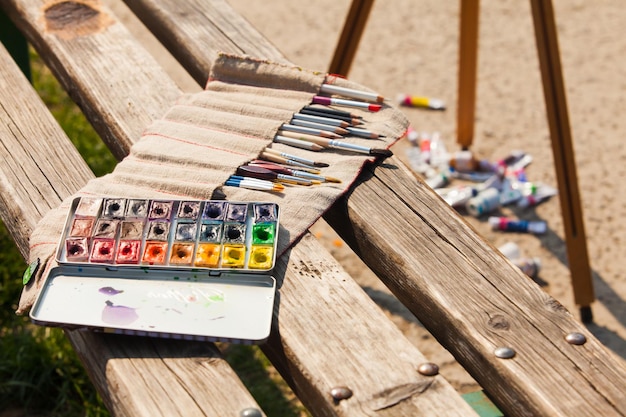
{"x": 196, "y": 269}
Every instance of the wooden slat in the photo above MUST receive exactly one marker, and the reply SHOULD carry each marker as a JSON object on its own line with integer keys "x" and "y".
{"x": 511, "y": 399}
{"x": 32, "y": 178}
{"x": 139, "y": 376}
{"x": 474, "y": 301}
{"x": 214, "y": 26}
{"x": 67, "y": 34}
{"x": 331, "y": 334}
{"x": 396, "y": 389}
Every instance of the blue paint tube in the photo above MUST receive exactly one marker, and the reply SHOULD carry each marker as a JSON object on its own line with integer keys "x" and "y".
{"x": 510, "y": 225}
{"x": 484, "y": 202}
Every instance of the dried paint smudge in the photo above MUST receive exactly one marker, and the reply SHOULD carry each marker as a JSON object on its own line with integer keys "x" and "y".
{"x": 118, "y": 315}
{"x": 110, "y": 291}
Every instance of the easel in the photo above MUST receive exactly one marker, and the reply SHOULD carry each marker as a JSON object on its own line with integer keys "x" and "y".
{"x": 556, "y": 108}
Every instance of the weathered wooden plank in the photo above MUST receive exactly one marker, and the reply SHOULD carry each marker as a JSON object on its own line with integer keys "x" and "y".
{"x": 145, "y": 377}
{"x": 397, "y": 387}
{"x": 35, "y": 154}
{"x": 68, "y": 36}
{"x": 474, "y": 301}
{"x": 214, "y": 26}
{"x": 330, "y": 334}
{"x": 135, "y": 376}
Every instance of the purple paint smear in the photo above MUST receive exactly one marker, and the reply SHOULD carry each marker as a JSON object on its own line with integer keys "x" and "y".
{"x": 118, "y": 315}
{"x": 110, "y": 291}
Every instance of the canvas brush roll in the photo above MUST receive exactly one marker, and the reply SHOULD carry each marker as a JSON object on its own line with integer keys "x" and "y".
{"x": 204, "y": 137}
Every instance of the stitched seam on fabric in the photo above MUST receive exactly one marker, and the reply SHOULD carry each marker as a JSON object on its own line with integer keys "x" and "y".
{"x": 193, "y": 143}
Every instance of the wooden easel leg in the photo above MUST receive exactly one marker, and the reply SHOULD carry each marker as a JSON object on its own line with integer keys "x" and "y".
{"x": 468, "y": 62}
{"x": 563, "y": 151}
{"x": 350, "y": 37}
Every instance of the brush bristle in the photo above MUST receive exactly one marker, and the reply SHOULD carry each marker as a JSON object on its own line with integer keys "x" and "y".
{"x": 321, "y": 164}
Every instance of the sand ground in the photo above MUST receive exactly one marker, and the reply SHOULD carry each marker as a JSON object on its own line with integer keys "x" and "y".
{"x": 411, "y": 47}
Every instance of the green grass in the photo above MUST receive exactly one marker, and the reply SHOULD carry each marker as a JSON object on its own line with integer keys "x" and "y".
{"x": 263, "y": 381}
{"x": 39, "y": 372}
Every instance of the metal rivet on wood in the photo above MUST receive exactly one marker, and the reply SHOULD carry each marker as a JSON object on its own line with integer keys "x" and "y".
{"x": 504, "y": 352}
{"x": 340, "y": 393}
{"x": 251, "y": 412}
{"x": 575, "y": 338}
{"x": 428, "y": 369}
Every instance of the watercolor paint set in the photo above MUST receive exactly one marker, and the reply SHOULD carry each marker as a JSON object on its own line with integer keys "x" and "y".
{"x": 197, "y": 269}
{"x": 169, "y": 233}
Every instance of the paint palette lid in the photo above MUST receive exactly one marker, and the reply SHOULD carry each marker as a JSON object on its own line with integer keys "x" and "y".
{"x": 189, "y": 305}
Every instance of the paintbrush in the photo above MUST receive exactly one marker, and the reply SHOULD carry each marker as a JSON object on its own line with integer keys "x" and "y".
{"x": 314, "y": 111}
{"x": 331, "y": 143}
{"x": 321, "y": 120}
{"x": 276, "y": 162}
{"x": 320, "y": 126}
{"x": 288, "y": 156}
{"x": 310, "y": 131}
{"x": 266, "y": 174}
{"x": 253, "y": 184}
{"x": 298, "y": 143}
{"x": 280, "y": 169}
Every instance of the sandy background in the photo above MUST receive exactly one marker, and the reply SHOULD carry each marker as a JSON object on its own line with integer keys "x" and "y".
{"x": 411, "y": 46}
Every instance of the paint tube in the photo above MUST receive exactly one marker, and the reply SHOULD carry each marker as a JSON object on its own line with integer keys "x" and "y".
{"x": 511, "y": 225}
{"x": 538, "y": 194}
{"x": 493, "y": 181}
{"x": 521, "y": 163}
{"x": 439, "y": 179}
{"x": 511, "y": 250}
{"x": 484, "y": 202}
{"x": 514, "y": 158}
{"x": 464, "y": 161}
{"x": 509, "y": 192}
{"x": 439, "y": 156}
{"x": 424, "y": 144}
{"x": 457, "y": 196}
{"x": 412, "y": 135}
{"x": 529, "y": 266}
{"x": 415, "y": 160}
{"x": 472, "y": 176}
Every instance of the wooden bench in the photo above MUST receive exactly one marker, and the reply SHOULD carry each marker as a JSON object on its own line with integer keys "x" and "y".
{"x": 328, "y": 333}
